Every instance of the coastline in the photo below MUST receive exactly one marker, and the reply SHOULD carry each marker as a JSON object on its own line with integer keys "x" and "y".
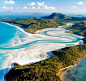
{"x": 63, "y": 70}
{"x": 11, "y": 58}
{"x": 18, "y": 28}
{"x": 24, "y": 53}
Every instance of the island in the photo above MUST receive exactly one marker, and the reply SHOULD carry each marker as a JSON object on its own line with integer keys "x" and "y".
{"x": 51, "y": 68}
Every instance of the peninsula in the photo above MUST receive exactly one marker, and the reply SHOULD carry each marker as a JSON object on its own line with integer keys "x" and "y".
{"x": 48, "y": 70}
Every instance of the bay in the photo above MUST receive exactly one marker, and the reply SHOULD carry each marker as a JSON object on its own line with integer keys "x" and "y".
{"x": 13, "y": 38}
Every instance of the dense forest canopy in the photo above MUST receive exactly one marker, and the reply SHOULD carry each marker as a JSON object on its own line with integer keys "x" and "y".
{"x": 47, "y": 70}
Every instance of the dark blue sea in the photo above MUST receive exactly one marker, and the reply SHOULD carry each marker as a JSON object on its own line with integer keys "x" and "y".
{"x": 21, "y": 15}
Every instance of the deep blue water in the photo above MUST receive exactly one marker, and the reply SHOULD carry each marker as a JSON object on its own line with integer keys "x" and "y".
{"x": 21, "y": 15}
{"x": 37, "y": 15}
{"x": 75, "y": 14}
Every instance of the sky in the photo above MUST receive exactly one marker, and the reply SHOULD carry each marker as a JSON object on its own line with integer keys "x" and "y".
{"x": 44, "y": 6}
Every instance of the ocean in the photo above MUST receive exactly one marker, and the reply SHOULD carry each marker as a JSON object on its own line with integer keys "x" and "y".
{"x": 77, "y": 73}
{"x": 21, "y": 15}
{"x": 37, "y": 15}
{"x": 76, "y": 14}
{"x": 14, "y": 38}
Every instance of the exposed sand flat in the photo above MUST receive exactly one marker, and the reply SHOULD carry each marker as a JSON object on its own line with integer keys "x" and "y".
{"x": 31, "y": 54}
{"x": 40, "y": 50}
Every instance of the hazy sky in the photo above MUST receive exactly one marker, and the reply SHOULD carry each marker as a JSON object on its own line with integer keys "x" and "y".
{"x": 44, "y": 6}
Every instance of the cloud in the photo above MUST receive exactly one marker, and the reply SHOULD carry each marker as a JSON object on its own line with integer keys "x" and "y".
{"x": 74, "y": 6}
{"x": 80, "y": 3}
{"x": 8, "y": 2}
{"x": 46, "y": 7}
{"x": 40, "y": 3}
{"x": 24, "y": 7}
{"x": 38, "y": 8}
{"x": 11, "y": 7}
{"x": 33, "y": 7}
{"x": 32, "y": 4}
{"x": 4, "y": 7}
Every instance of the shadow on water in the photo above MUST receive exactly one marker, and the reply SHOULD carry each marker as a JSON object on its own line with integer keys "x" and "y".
{"x": 3, "y": 72}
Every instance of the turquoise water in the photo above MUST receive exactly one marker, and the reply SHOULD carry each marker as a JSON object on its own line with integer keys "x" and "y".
{"x": 12, "y": 38}
{"x": 77, "y": 73}
{"x": 2, "y": 58}
{"x": 6, "y": 33}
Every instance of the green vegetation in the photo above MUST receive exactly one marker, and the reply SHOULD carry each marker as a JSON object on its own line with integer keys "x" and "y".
{"x": 60, "y": 16}
{"x": 78, "y": 28}
{"x": 47, "y": 70}
{"x": 31, "y": 24}
{"x": 56, "y": 16}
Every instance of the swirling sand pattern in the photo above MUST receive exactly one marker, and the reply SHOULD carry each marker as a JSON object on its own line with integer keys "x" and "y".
{"x": 23, "y": 48}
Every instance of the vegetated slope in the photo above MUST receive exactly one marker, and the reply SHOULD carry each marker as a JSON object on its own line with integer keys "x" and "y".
{"x": 78, "y": 28}
{"x": 60, "y": 16}
{"x": 31, "y": 24}
{"x": 47, "y": 70}
{"x": 56, "y": 16}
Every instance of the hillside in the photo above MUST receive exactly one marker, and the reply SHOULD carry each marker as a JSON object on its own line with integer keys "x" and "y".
{"x": 47, "y": 70}
{"x": 78, "y": 28}
{"x": 56, "y": 16}
{"x": 31, "y": 24}
{"x": 60, "y": 16}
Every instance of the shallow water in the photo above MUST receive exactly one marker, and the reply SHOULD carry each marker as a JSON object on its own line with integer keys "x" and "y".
{"x": 77, "y": 73}
{"x": 12, "y": 38}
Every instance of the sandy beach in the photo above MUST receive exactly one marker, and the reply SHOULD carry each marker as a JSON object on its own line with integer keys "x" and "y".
{"x": 41, "y": 50}
{"x": 64, "y": 70}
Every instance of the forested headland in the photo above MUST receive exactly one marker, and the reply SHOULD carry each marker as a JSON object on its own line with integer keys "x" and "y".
{"x": 33, "y": 24}
{"x": 48, "y": 70}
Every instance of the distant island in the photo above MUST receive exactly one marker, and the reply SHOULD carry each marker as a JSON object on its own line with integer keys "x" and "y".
{"x": 33, "y": 24}
{"x": 25, "y": 13}
{"x": 79, "y": 15}
{"x": 48, "y": 70}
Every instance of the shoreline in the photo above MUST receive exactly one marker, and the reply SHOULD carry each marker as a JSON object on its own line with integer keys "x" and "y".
{"x": 22, "y": 53}
{"x": 18, "y": 28}
{"x": 63, "y": 70}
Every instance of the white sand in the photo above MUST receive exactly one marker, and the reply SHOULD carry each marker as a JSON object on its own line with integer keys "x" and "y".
{"x": 32, "y": 54}
{"x": 39, "y": 51}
